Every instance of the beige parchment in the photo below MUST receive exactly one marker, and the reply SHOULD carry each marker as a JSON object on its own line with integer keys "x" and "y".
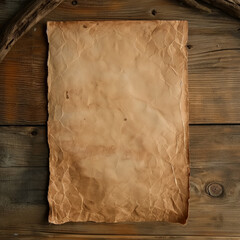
{"x": 118, "y": 121}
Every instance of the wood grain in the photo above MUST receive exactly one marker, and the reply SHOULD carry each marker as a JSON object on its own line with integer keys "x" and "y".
{"x": 214, "y": 45}
{"x": 214, "y": 91}
{"x": 24, "y": 235}
{"x": 214, "y": 157}
{"x": 230, "y": 7}
{"x": 23, "y": 21}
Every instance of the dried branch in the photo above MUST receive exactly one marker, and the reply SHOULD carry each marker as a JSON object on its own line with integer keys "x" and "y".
{"x": 32, "y": 14}
{"x": 231, "y": 7}
{"x": 195, "y": 4}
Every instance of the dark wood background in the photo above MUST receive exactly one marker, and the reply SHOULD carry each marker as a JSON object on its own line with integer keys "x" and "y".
{"x": 214, "y": 92}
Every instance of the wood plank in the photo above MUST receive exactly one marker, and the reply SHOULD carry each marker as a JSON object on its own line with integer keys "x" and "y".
{"x": 23, "y": 146}
{"x": 214, "y": 86}
{"x": 24, "y": 182}
{"x": 8, "y": 9}
{"x": 23, "y": 235}
{"x": 23, "y": 21}
{"x": 27, "y": 146}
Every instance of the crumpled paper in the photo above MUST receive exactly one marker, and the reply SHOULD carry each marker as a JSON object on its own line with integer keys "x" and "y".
{"x": 118, "y": 121}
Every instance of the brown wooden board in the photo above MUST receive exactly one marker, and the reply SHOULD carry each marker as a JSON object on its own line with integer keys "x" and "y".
{"x": 214, "y": 157}
{"x": 26, "y": 235}
{"x": 214, "y": 91}
{"x": 214, "y": 56}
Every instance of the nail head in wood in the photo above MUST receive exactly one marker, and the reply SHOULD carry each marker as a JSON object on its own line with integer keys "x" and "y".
{"x": 214, "y": 189}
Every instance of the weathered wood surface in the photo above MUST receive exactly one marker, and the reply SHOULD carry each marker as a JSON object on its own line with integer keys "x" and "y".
{"x": 23, "y": 235}
{"x": 230, "y": 7}
{"x": 214, "y": 56}
{"x": 23, "y": 21}
{"x": 214, "y": 154}
{"x": 214, "y": 90}
{"x": 37, "y": 9}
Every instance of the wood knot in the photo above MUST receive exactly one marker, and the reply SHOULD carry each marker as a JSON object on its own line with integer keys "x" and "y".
{"x": 189, "y": 46}
{"x": 74, "y": 3}
{"x": 214, "y": 189}
{"x": 154, "y": 12}
{"x": 34, "y": 133}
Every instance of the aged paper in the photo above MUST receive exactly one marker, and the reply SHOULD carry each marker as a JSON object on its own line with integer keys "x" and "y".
{"x": 118, "y": 121}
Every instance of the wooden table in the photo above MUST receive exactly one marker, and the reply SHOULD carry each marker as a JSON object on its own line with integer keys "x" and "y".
{"x": 214, "y": 88}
